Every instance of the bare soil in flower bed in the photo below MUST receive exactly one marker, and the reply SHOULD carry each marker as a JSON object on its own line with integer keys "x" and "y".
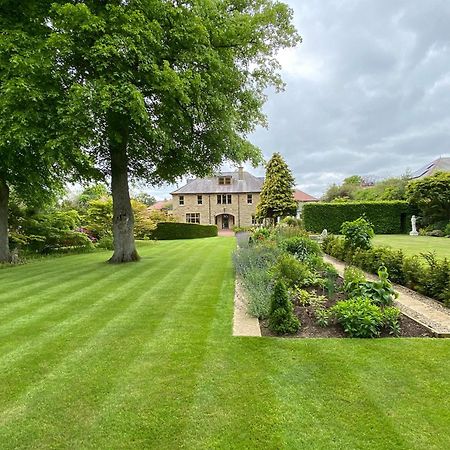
{"x": 310, "y": 329}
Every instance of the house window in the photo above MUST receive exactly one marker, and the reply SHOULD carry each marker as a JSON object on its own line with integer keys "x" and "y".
{"x": 199, "y": 200}
{"x": 224, "y": 180}
{"x": 254, "y": 221}
{"x": 181, "y": 200}
{"x": 224, "y": 199}
{"x": 193, "y": 218}
{"x": 249, "y": 199}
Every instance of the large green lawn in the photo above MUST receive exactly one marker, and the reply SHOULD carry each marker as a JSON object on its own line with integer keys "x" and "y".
{"x": 141, "y": 356}
{"x": 414, "y": 245}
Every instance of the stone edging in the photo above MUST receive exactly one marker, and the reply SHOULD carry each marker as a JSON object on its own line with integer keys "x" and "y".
{"x": 243, "y": 323}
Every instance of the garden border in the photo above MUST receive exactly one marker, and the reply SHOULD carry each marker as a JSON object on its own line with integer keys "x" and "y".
{"x": 424, "y": 310}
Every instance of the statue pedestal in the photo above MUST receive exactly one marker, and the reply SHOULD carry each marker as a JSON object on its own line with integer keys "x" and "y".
{"x": 414, "y": 233}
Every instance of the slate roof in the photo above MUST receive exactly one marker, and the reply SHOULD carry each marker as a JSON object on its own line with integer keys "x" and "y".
{"x": 438, "y": 165}
{"x": 210, "y": 185}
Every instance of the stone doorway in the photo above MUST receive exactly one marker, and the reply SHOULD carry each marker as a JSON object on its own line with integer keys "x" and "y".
{"x": 225, "y": 221}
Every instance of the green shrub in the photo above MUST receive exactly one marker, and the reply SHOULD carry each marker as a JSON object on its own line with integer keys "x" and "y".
{"x": 322, "y": 316}
{"x": 262, "y": 256}
{"x": 447, "y": 229}
{"x": 359, "y": 317}
{"x": 413, "y": 272}
{"x": 174, "y": 230}
{"x": 281, "y": 317}
{"x": 106, "y": 242}
{"x": 301, "y": 247}
{"x": 284, "y": 231}
{"x": 292, "y": 272}
{"x": 380, "y": 292}
{"x": 391, "y": 316}
{"x": 357, "y": 234}
{"x": 387, "y": 217}
{"x": 259, "y": 289}
{"x": 353, "y": 279}
{"x": 437, "y": 279}
{"x": 261, "y": 234}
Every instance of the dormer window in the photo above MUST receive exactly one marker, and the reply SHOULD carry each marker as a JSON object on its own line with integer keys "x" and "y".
{"x": 225, "y": 180}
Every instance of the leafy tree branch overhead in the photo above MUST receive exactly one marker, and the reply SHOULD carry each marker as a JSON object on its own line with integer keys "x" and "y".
{"x": 157, "y": 89}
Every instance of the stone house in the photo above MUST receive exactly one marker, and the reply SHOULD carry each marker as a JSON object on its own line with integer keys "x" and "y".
{"x": 227, "y": 199}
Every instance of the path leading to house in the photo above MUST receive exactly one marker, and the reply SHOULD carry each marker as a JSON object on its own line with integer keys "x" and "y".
{"x": 226, "y": 233}
{"x": 425, "y": 310}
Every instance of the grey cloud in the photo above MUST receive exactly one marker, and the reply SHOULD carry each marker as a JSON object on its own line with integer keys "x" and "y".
{"x": 367, "y": 90}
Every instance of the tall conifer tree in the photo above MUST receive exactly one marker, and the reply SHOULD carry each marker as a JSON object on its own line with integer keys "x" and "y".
{"x": 276, "y": 196}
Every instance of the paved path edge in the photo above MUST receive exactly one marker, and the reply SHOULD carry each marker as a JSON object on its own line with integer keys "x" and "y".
{"x": 424, "y": 310}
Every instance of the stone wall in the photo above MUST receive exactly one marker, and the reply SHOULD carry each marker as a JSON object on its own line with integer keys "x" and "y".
{"x": 212, "y": 213}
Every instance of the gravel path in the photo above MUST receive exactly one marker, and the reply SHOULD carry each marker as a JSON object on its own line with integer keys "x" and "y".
{"x": 428, "y": 312}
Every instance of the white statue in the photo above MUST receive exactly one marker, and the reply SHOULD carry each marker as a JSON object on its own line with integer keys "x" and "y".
{"x": 323, "y": 235}
{"x": 413, "y": 225}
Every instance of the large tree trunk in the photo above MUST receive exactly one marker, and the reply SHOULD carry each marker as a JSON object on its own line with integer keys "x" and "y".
{"x": 123, "y": 218}
{"x": 5, "y": 256}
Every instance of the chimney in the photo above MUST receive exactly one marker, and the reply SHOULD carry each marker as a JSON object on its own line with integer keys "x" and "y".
{"x": 240, "y": 173}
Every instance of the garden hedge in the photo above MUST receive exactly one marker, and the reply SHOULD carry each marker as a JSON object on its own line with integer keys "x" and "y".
{"x": 173, "y": 230}
{"x": 387, "y": 217}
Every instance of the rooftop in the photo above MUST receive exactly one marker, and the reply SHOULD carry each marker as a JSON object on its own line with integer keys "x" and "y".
{"x": 438, "y": 165}
{"x": 210, "y": 185}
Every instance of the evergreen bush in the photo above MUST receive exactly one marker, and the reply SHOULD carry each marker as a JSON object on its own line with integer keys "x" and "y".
{"x": 282, "y": 319}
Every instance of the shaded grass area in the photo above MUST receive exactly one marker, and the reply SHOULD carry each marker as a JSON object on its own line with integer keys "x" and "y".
{"x": 141, "y": 356}
{"x": 415, "y": 245}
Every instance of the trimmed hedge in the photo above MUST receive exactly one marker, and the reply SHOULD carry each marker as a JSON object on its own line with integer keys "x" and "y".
{"x": 173, "y": 230}
{"x": 387, "y": 217}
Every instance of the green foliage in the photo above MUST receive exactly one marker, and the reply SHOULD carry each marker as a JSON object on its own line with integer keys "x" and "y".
{"x": 253, "y": 265}
{"x": 353, "y": 278}
{"x": 323, "y": 317}
{"x": 145, "y": 198}
{"x": 387, "y": 217}
{"x": 258, "y": 285}
{"x": 106, "y": 242}
{"x": 353, "y": 188}
{"x": 292, "y": 222}
{"x": 432, "y": 196}
{"x": 261, "y": 234}
{"x": 447, "y": 229}
{"x": 302, "y": 247}
{"x": 173, "y": 230}
{"x": 292, "y": 272}
{"x": 358, "y": 233}
{"x": 431, "y": 276}
{"x": 281, "y": 317}
{"x": 391, "y": 322}
{"x": 437, "y": 281}
{"x": 380, "y": 292}
{"x": 98, "y": 218}
{"x": 93, "y": 192}
{"x": 359, "y": 317}
{"x": 276, "y": 198}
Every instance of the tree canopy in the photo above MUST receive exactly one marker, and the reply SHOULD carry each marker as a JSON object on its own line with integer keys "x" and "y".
{"x": 157, "y": 90}
{"x": 277, "y": 192}
{"x": 32, "y": 161}
{"x": 432, "y": 196}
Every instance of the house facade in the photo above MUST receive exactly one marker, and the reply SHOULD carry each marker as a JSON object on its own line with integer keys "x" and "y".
{"x": 226, "y": 200}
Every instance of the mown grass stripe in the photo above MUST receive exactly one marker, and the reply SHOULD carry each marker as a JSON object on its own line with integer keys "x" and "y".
{"x": 101, "y": 335}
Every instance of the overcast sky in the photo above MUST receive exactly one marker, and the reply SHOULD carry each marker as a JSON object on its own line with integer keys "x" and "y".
{"x": 368, "y": 91}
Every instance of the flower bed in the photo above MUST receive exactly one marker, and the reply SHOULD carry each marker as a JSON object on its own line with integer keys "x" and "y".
{"x": 294, "y": 292}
